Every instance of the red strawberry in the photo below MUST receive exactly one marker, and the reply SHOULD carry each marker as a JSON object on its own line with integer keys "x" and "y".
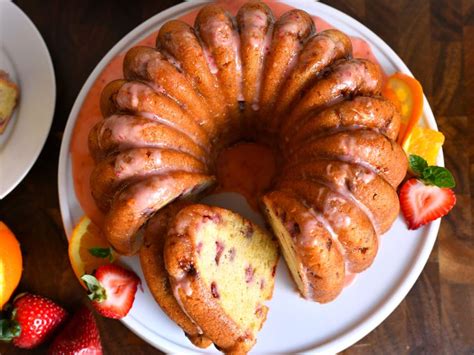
{"x": 421, "y": 204}
{"x": 34, "y": 320}
{"x": 112, "y": 290}
{"x": 79, "y": 336}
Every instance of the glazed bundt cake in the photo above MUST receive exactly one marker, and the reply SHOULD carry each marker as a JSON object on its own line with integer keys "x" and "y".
{"x": 222, "y": 270}
{"x": 276, "y": 82}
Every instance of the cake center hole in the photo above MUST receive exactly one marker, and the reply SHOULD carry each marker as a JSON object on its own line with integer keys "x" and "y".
{"x": 247, "y": 169}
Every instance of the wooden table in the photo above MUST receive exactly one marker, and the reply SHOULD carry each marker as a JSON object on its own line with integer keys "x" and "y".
{"x": 436, "y": 41}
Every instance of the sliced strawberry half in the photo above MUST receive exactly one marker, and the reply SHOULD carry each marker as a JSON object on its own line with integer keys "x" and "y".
{"x": 112, "y": 290}
{"x": 421, "y": 204}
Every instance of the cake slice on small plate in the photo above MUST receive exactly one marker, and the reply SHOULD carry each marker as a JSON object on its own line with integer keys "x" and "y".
{"x": 9, "y": 94}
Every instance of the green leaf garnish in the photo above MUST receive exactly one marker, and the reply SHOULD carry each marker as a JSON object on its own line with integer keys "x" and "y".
{"x": 96, "y": 291}
{"x": 436, "y": 175}
{"x": 417, "y": 164}
{"x": 9, "y": 329}
{"x": 102, "y": 253}
{"x": 431, "y": 175}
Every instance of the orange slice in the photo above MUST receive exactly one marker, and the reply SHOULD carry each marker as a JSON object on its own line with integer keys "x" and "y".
{"x": 86, "y": 238}
{"x": 406, "y": 92}
{"x": 424, "y": 142}
{"x": 10, "y": 263}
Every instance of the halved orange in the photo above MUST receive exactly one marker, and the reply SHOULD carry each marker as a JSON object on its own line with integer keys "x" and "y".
{"x": 10, "y": 263}
{"x": 406, "y": 92}
{"x": 86, "y": 237}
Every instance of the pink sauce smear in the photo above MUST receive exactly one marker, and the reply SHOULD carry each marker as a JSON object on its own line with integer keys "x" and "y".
{"x": 89, "y": 114}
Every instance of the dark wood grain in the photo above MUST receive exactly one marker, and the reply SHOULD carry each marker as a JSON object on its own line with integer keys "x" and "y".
{"x": 434, "y": 38}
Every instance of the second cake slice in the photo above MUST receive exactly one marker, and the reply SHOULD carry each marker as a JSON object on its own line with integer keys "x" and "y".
{"x": 222, "y": 270}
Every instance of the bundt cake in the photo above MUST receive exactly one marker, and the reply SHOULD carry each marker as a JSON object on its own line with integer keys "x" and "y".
{"x": 276, "y": 82}
{"x": 222, "y": 270}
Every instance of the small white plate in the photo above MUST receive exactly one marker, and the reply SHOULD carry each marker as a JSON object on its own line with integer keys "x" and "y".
{"x": 293, "y": 324}
{"x": 24, "y": 55}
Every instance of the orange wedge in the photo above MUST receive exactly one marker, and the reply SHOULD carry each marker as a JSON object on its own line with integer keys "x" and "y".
{"x": 406, "y": 92}
{"x": 86, "y": 243}
{"x": 424, "y": 142}
{"x": 10, "y": 263}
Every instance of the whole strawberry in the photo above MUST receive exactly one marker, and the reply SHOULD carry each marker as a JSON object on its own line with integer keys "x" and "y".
{"x": 79, "y": 336}
{"x": 34, "y": 320}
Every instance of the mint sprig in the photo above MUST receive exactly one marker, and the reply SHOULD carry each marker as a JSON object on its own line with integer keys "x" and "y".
{"x": 417, "y": 164}
{"x": 430, "y": 174}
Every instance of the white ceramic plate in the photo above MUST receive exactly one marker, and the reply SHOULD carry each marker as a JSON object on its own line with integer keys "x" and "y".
{"x": 24, "y": 55}
{"x": 293, "y": 324}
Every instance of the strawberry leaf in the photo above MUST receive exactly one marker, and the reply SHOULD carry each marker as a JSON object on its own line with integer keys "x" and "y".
{"x": 96, "y": 291}
{"x": 436, "y": 175}
{"x": 102, "y": 253}
{"x": 417, "y": 164}
{"x": 9, "y": 329}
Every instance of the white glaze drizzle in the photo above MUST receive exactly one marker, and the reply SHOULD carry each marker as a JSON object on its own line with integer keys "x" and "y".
{"x": 266, "y": 46}
{"x": 129, "y": 98}
{"x": 255, "y": 22}
{"x": 348, "y": 275}
{"x": 211, "y": 63}
{"x": 155, "y": 62}
{"x": 289, "y": 26}
{"x": 349, "y": 196}
{"x": 177, "y": 296}
{"x": 218, "y": 31}
{"x": 154, "y": 117}
{"x": 146, "y": 193}
{"x": 324, "y": 56}
{"x": 173, "y": 61}
{"x": 123, "y": 131}
{"x": 238, "y": 65}
{"x": 142, "y": 61}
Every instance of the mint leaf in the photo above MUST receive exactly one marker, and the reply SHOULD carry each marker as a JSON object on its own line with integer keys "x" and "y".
{"x": 417, "y": 164}
{"x": 97, "y": 292}
{"x": 432, "y": 175}
{"x": 436, "y": 175}
{"x": 101, "y": 253}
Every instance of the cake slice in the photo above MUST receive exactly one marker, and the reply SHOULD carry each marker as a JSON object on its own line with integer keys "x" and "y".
{"x": 153, "y": 266}
{"x": 222, "y": 269}
{"x": 310, "y": 251}
{"x": 8, "y": 99}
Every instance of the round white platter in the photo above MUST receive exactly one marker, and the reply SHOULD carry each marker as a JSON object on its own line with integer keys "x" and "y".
{"x": 293, "y": 324}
